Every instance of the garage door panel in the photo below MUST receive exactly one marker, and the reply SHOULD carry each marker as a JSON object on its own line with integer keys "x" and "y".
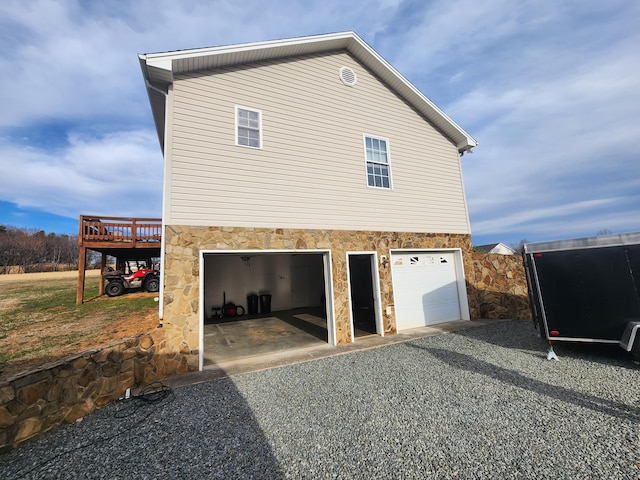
{"x": 442, "y": 304}
{"x": 425, "y": 288}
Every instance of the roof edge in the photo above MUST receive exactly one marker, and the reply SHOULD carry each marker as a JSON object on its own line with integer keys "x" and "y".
{"x": 242, "y": 47}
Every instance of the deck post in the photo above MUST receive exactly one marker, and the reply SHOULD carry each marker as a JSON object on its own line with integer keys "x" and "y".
{"x": 103, "y": 266}
{"x": 82, "y": 263}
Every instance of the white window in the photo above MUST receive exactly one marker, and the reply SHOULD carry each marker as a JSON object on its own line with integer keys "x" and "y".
{"x": 248, "y": 127}
{"x": 377, "y": 156}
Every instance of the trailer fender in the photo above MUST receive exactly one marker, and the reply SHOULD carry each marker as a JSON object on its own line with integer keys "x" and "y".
{"x": 630, "y": 337}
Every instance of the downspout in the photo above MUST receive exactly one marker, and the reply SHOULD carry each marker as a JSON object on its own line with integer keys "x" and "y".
{"x": 152, "y": 87}
{"x": 163, "y": 236}
{"x": 464, "y": 193}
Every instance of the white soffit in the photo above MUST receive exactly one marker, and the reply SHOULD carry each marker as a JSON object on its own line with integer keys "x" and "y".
{"x": 159, "y": 69}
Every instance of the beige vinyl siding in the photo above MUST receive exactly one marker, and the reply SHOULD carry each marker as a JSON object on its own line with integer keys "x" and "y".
{"x": 311, "y": 169}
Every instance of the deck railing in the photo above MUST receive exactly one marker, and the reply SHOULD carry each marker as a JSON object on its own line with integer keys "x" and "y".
{"x": 129, "y": 231}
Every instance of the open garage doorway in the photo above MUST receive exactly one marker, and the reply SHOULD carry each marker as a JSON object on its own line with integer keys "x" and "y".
{"x": 263, "y": 302}
{"x": 364, "y": 294}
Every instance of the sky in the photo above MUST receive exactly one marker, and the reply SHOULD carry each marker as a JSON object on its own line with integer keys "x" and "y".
{"x": 549, "y": 89}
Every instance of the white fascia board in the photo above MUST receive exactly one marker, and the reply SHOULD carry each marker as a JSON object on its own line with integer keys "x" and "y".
{"x": 163, "y": 63}
{"x": 245, "y": 47}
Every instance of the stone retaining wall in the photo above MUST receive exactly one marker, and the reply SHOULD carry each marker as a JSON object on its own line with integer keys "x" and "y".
{"x": 497, "y": 287}
{"x": 66, "y": 390}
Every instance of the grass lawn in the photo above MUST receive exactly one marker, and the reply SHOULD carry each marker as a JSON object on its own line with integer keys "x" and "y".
{"x": 40, "y": 322}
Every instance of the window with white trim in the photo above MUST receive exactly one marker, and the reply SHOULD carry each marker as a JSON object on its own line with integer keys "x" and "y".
{"x": 248, "y": 127}
{"x": 377, "y": 156}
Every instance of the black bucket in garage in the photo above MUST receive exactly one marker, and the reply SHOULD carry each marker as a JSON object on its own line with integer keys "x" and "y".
{"x": 265, "y": 303}
{"x": 252, "y": 303}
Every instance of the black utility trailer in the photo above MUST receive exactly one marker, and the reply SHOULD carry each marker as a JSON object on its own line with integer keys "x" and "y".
{"x": 586, "y": 290}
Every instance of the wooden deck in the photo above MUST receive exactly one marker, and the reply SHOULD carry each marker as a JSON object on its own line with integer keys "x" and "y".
{"x": 124, "y": 238}
{"x": 119, "y": 232}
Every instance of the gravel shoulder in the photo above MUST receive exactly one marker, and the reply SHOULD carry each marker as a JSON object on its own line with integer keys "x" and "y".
{"x": 477, "y": 403}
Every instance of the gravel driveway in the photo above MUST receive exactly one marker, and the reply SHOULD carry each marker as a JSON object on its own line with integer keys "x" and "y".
{"x": 479, "y": 403}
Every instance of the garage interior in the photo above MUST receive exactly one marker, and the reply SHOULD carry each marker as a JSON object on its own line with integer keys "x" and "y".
{"x": 258, "y": 303}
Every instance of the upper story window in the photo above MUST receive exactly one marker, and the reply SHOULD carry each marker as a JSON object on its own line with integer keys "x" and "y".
{"x": 377, "y": 156}
{"x": 248, "y": 127}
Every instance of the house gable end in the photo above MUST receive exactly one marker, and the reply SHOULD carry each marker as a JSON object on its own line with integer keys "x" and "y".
{"x": 311, "y": 171}
{"x": 159, "y": 70}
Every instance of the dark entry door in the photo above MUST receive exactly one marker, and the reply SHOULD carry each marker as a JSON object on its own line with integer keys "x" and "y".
{"x": 362, "y": 294}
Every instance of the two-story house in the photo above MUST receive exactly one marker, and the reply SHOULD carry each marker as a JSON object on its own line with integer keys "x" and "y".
{"x": 311, "y": 170}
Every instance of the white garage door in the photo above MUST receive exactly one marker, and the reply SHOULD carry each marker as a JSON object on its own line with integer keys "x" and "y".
{"x": 425, "y": 288}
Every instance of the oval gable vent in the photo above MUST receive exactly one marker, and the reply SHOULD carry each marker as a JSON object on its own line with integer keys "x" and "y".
{"x": 348, "y": 76}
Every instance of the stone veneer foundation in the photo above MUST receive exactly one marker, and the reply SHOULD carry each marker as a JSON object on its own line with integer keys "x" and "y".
{"x": 184, "y": 243}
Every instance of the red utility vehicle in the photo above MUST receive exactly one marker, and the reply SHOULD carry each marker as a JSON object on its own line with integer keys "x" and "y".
{"x": 135, "y": 274}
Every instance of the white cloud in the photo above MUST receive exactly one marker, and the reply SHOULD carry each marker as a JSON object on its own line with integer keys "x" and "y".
{"x": 71, "y": 59}
{"x": 556, "y": 127}
{"x": 520, "y": 218}
{"x": 116, "y": 174}
{"x": 573, "y": 131}
{"x": 63, "y": 65}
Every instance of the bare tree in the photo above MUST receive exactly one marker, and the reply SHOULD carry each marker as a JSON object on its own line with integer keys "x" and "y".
{"x": 519, "y": 248}
{"x": 55, "y": 249}
{"x": 9, "y": 251}
{"x": 71, "y": 250}
{"x": 34, "y": 250}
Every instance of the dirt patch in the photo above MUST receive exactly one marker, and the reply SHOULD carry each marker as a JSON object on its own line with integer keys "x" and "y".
{"x": 75, "y": 336}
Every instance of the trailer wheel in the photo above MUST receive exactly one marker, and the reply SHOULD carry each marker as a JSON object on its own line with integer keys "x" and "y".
{"x": 635, "y": 351}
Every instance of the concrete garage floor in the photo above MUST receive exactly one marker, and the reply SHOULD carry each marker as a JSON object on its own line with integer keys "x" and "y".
{"x": 231, "y": 340}
{"x": 243, "y": 337}
{"x": 236, "y": 338}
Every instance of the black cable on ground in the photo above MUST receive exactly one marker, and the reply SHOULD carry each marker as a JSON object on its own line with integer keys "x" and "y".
{"x": 150, "y": 394}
